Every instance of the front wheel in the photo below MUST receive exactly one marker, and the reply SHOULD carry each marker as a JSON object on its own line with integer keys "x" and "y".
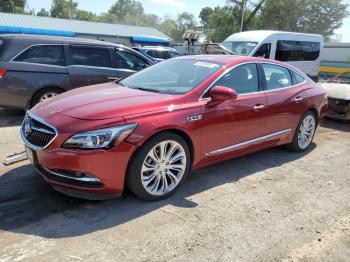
{"x": 159, "y": 167}
{"x": 304, "y": 133}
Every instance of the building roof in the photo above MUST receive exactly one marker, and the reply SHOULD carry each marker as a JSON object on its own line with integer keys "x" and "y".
{"x": 79, "y": 27}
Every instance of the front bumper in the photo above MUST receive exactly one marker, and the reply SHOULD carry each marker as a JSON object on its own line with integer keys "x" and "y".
{"x": 338, "y": 109}
{"x": 91, "y": 174}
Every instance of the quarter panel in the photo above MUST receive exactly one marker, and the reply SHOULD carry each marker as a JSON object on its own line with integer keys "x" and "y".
{"x": 19, "y": 84}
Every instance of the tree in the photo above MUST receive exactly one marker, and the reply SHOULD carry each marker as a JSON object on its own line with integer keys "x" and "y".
{"x": 169, "y": 27}
{"x": 184, "y": 21}
{"x": 13, "y": 6}
{"x": 43, "y": 12}
{"x": 310, "y": 16}
{"x": 64, "y": 9}
{"x": 126, "y": 11}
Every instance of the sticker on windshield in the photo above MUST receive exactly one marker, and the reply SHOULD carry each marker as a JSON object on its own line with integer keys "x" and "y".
{"x": 251, "y": 44}
{"x": 206, "y": 64}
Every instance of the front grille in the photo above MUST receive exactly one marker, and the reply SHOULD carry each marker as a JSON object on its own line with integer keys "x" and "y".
{"x": 338, "y": 102}
{"x": 36, "y": 133}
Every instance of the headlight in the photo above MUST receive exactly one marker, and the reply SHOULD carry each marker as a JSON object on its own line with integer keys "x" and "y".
{"x": 101, "y": 138}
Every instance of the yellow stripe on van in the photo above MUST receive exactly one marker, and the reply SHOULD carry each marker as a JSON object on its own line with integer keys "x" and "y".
{"x": 334, "y": 70}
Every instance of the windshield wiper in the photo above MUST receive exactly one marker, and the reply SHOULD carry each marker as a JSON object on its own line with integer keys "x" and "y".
{"x": 146, "y": 89}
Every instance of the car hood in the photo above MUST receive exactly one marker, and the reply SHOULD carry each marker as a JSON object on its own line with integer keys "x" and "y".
{"x": 339, "y": 91}
{"x": 104, "y": 101}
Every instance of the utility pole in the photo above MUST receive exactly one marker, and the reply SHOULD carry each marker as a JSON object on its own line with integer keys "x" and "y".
{"x": 242, "y": 17}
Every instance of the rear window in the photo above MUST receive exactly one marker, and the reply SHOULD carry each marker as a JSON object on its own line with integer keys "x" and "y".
{"x": 297, "y": 78}
{"x": 43, "y": 54}
{"x": 90, "y": 56}
{"x": 162, "y": 54}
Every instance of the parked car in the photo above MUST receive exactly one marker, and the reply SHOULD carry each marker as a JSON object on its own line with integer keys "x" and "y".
{"x": 338, "y": 91}
{"x": 35, "y": 68}
{"x": 158, "y": 53}
{"x": 298, "y": 49}
{"x": 214, "y": 49}
{"x": 149, "y": 130}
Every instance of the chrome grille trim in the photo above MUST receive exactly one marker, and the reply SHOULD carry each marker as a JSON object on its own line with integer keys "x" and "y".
{"x": 38, "y": 129}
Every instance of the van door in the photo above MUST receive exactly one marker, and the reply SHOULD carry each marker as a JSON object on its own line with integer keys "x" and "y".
{"x": 89, "y": 65}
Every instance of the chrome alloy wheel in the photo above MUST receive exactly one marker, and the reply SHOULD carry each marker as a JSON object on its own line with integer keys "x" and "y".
{"x": 306, "y": 131}
{"x": 163, "y": 167}
{"x": 47, "y": 96}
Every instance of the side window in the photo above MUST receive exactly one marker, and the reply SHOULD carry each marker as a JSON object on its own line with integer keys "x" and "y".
{"x": 129, "y": 60}
{"x": 244, "y": 79}
{"x": 276, "y": 76}
{"x": 297, "y": 50}
{"x": 263, "y": 51}
{"x": 297, "y": 78}
{"x": 43, "y": 54}
{"x": 91, "y": 56}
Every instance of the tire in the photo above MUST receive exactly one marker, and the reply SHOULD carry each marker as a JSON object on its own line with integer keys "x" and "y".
{"x": 149, "y": 173}
{"x": 300, "y": 133}
{"x": 46, "y": 92}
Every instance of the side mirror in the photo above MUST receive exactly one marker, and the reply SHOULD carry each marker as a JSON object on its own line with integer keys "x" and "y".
{"x": 222, "y": 93}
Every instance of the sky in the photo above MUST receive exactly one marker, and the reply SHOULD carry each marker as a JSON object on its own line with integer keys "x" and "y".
{"x": 167, "y": 7}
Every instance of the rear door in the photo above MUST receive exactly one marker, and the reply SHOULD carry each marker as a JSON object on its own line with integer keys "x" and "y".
{"x": 285, "y": 97}
{"x": 89, "y": 65}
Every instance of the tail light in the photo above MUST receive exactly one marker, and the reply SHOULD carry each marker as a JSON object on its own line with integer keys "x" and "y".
{"x": 2, "y": 72}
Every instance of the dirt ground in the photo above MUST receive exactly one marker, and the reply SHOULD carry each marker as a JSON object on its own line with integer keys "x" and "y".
{"x": 274, "y": 205}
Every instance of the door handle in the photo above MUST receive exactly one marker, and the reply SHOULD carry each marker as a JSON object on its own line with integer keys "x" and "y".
{"x": 258, "y": 107}
{"x": 114, "y": 78}
{"x": 298, "y": 99}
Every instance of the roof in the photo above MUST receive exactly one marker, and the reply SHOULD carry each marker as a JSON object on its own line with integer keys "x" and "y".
{"x": 260, "y": 35}
{"x": 79, "y": 27}
{"x": 230, "y": 60}
{"x": 44, "y": 39}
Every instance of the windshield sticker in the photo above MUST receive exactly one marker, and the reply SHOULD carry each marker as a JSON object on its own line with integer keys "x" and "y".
{"x": 205, "y": 64}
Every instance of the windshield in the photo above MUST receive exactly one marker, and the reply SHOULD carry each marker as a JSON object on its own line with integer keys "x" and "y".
{"x": 242, "y": 48}
{"x": 174, "y": 76}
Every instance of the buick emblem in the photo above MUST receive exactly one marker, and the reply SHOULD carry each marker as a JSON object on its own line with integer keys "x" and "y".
{"x": 27, "y": 127}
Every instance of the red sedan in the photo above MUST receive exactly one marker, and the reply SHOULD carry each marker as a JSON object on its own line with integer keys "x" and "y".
{"x": 149, "y": 130}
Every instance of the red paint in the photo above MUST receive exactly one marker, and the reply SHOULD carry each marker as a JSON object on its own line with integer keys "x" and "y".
{"x": 232, "y": 120}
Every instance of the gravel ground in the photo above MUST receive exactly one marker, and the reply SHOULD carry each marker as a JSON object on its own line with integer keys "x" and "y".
{"x": 274, "y": 205}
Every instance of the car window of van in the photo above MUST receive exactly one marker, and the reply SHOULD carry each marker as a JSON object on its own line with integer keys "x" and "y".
{"x": 243, "y": 79}
{"x": 90, "y": 56}
{"x": 43, "y": 54}
{"x": 130, "y": 61}
{"x": 276, "y": 76}
{"x": 263, "y": 51}
{"x": 297, "y": 50}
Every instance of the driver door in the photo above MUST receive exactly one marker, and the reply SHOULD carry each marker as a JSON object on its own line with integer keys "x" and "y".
{"x": 234, "y": 125}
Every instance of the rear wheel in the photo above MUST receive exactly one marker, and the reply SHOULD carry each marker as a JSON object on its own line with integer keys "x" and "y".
{"x": 304, "y": 133}
{"x": 159, "y": 167}
{"x": 44, "y": 95}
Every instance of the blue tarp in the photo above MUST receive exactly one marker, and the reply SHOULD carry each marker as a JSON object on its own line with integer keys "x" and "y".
{"x": 34, "y": 31}
{"x": 149, "y": 40}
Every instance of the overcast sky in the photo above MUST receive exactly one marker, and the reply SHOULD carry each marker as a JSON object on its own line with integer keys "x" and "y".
{"x": 165, "y": 7}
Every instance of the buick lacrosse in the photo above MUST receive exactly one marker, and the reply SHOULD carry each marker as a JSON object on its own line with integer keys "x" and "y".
{"x": 148, "y": 131}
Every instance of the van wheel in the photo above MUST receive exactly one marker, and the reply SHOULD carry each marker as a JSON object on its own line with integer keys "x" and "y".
{"x": 44, "y": 95}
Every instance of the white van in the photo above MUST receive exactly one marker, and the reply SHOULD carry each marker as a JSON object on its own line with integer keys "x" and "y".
{"x": 298, "y": 49}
